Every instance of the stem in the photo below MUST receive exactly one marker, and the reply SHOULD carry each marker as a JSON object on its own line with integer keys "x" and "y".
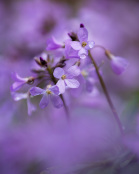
{"x": 99, "y": 46}
{"x": 61, "y": 96}
{"x": 106, "y": 93}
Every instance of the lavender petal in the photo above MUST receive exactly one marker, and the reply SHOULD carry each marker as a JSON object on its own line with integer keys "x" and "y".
{"x": 36, "y": 91}
{"x": 72, "y": 83}
{"x": 58, "y": 72}
{"x": 44, "y": 101}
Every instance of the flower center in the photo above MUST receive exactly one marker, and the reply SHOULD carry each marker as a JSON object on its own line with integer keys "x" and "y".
{"x": 84, "y": 44}
{"x": 84, "y": 73}
{"x": 48, "y": 92}
{"x": 63, "y": 77}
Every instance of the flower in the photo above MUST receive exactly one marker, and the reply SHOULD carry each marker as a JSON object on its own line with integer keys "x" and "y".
{"x": 20, "y": 96}
{"x": 118, "y": 64}
{"x": 51, "y": 92}
{"x": 90, "y": 78}
{"x": 52, "y": 44}
{"x": 83, "y": 45}
{"x": 66, "y": 78}
{"x": 19, "y": 81}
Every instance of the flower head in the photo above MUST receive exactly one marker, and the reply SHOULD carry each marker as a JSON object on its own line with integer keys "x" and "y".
{"x": 66, "y": 79}
{"x": 50, "y": 93}
{"x": 83, "y": 45}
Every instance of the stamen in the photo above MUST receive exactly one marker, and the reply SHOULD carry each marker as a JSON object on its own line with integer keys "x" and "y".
{"x": 63, "y": 77}
{"x": 84, "y": 73}
{"x": 84, "y": 44}
{"x": 48, "y": 92}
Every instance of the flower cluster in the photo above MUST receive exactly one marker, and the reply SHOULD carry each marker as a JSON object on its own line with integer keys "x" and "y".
{"x": 62, "y": 68}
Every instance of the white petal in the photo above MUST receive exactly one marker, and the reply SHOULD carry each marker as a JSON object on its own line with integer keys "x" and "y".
{"x": 76, "y": 45}
{"x": 61, "y": 86}
{"x": 72, "y": 83}
{"x": 58, "y": 72}
{"x": 74, "y": 70}
{"x": 83, "y": 53}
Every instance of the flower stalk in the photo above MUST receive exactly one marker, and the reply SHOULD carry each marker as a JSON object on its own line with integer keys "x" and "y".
{"x": 106, "y": 93}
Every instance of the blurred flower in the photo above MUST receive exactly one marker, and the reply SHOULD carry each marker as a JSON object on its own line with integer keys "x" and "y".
{"x": 19, "y": 81}
{"x": 118, "y": 64}
{"x": 51, "y": 92}
{"x": 20, "y": 96}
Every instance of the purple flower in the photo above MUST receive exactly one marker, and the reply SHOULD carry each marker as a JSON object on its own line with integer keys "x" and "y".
{"x": 66, "y": 78}
{"x": 20, "y": 96}
{"x": 118, "y": 64}
{"x": 83, "y": 45}
{"x": 89, "y": 78}
{"x": 51, "y": 92}
{"x": 52, "y": 44}
{"x": 19, "y": 81}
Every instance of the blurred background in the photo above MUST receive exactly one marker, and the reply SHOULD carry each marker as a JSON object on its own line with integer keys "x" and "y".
{"x": 33, "y": 144}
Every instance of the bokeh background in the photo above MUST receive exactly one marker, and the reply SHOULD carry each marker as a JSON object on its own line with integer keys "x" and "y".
{"x": 44, "y": 143}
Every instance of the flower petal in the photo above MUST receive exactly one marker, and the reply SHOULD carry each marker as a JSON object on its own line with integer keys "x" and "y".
{"x": 90, "y": 45}
{"x": 83, "y": 53}
{"x": 58, "y": 72}
{"x": 54, "y": 89}
{"x": 52, "y": 44}
{"x": 82, "y": 35}
{"x": 119, "y": 65}
{"x": 72, "y": 83}
{"x": 76, "y": 45}
{"x": 17, "y": 78}
{"x": 31, "y": 107}
{"x": 73, "y": 71}
{"x": 36, "y": 91}
{"x": 17, "y": 85}
{"x": 69, "y": 51}
{"x": 44, "y": 101}
{"x": 61, "y": 86}
{"x": 89, "y": 85}
{"x": 57, "y": 101}
{"x": 19, "y": 96}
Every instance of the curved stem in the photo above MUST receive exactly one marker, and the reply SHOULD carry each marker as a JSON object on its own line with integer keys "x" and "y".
{"x": 61, "y": 96}
{"x": 100, "y": 46}
{"x": 106, "y": 93}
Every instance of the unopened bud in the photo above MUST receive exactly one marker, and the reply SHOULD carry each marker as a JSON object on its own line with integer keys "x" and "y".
{"x": 30, "y": 80}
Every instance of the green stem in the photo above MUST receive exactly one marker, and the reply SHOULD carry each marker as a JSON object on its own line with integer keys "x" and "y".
{"x": 106, "y": 93}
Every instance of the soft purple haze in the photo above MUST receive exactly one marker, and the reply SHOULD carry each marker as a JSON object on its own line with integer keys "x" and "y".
{"x": 54, "y": 115}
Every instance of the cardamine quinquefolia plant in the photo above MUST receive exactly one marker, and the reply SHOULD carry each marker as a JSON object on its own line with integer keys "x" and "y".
{"x": 76, "y": 68}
